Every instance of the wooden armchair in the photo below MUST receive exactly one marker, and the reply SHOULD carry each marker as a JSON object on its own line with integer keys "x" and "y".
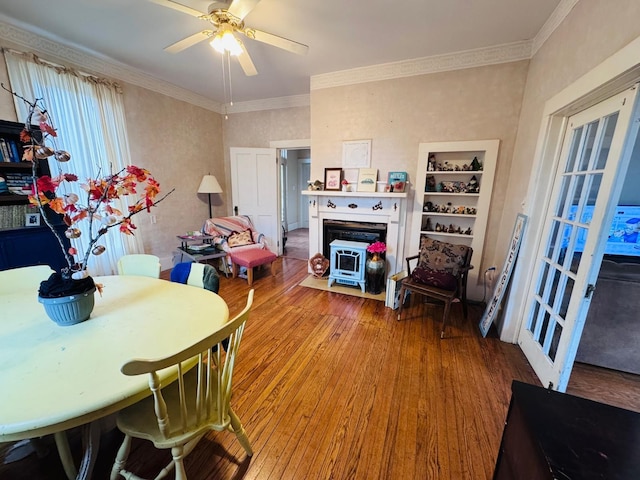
{"x": 441, "y": 273}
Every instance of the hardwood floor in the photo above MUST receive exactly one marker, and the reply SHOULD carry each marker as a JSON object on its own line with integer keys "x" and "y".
{"x": 297, "y": 245}
{"x": 333, "y": 386}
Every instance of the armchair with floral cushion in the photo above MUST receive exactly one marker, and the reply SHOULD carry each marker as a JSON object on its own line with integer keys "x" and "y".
{"x": 234, "y": 234}
{"x": 441, "y": 273}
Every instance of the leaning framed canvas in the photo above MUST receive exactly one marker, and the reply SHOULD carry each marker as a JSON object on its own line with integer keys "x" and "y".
{"x": 503, "y": 280}
{"x": 332, "y": 178}
{"x": 367, "y": 178}
{"x": 397, "y": 181}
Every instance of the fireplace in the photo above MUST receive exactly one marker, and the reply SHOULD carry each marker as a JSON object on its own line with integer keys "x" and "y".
{"x": 373, "y": 216}
{"x": 366, "y": 232}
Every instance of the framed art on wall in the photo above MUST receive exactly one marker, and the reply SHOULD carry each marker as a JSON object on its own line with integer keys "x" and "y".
{"x": 367, "y": 178}
{"x": 332, "y": 178}
{"x": 32, "y": 220}
{"x": 356, "y": 154}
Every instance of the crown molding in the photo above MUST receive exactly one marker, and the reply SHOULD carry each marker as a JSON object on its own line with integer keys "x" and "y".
{"x": 46, "y": 45}
{"x": 269, "y": 104}
{"x": 53, "y": 49}
{"x": 553, "y": 22}
{"x": 420, "y": 66}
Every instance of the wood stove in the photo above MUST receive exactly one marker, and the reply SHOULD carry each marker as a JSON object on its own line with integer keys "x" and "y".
{"x": 347, "y": 263}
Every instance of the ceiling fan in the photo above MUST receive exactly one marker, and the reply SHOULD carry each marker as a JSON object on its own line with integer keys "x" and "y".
{"x": 227, "y": 20}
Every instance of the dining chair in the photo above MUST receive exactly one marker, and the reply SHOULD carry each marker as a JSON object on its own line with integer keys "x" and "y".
{"x": 441, "y": 273}
{"x": 17, "y": 278}
{"x": 178, "y": 414}
{"x": 139, "y": 264}
{"x": 200, "y": 275}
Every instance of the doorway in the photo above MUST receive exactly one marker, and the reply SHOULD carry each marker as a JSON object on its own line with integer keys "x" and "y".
{"x": 295, "y": 171}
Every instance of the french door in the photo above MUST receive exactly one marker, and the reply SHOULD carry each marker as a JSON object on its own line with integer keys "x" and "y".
{"x": 571, "y": 246}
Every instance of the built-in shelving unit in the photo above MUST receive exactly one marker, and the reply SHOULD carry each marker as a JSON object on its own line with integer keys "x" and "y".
{"x": 13, "y": 170}
{"x": 453, "y": 195}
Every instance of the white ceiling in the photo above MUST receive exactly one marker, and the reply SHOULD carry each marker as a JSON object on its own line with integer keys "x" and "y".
{"x": 341, "y": 35}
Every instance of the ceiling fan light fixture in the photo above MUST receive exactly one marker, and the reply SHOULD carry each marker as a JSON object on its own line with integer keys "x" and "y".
{"x": 225, "y": 41}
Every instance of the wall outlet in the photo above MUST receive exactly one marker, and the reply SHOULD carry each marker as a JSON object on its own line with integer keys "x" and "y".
{"x": 154, "y": 219}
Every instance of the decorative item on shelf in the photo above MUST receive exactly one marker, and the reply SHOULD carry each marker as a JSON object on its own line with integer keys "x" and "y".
{"x": 476, "y": 166}
{"x": 428, "y": 226}
{"x": 345, "y": 185}
{"x": 315, "y": 185}
{"x": 68, "y": 295}
{"x": 473, "y": 186}
{"x": 319, "y": 265}
{"x": 375, "y": 267}
{"x": 431, "y": 163}
{"x": 430, "y": 184}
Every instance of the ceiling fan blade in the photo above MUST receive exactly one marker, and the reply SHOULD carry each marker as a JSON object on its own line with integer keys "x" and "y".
{"x": 246, "y": 63}
{"x": 190, "y": 41}
{"x": 179, "y": 7}
{"x": 241, "y": 8}
{"x": 276, "y": 41}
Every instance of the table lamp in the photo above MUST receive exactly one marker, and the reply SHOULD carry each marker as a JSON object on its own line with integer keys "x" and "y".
{"x": 209, "y": 185}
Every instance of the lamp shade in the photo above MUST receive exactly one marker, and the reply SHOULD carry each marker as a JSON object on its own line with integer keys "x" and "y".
{"x": 209, "y": 184}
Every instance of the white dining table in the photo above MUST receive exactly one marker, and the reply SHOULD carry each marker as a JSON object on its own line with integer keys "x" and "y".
{"x": 56, "y": 378}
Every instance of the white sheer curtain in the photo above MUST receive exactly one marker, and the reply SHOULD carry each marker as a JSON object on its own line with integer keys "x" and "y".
{"x": 88, "y": 114}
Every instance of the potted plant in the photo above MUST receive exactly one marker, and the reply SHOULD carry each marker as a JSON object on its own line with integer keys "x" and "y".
{"x": 68, "y": 295}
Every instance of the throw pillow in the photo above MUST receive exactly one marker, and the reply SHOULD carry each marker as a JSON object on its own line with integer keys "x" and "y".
{"x": 432, "y": 278}
{"x": 237, "y": 239}
{"x": 441, "y": 256}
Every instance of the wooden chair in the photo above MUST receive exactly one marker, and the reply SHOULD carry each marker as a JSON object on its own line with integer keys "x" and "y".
{"x": 179, "y": 414}
{"x": 139, "y": 264}
{"x": 441, "y": 273}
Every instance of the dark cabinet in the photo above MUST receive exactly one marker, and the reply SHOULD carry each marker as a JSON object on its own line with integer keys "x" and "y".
{"x": 552, "y": 435}
{"x": 22, "y": 247}
{"x": 16, "y": 173}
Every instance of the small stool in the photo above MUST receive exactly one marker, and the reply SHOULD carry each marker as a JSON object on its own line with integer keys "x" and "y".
{"x": 252, "y": 258}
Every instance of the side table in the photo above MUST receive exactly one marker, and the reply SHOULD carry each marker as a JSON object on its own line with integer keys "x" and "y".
{"x": 201, "y": 253}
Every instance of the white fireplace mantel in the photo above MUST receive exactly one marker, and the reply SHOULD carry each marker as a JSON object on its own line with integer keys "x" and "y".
{"x": 372, "y": 207}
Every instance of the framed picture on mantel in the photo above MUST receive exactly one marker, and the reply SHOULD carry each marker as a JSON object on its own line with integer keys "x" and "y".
{"x": 397, "y": 181}
{"x": 367, "y": 179}
{"x": 332, "y": 178}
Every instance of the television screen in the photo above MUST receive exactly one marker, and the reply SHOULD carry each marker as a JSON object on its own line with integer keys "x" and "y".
{"x": 624, "y": 233}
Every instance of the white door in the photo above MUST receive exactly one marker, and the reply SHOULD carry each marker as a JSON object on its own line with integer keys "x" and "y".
{"x": 575, "y": 230}
{"x": 254, "y": 190}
